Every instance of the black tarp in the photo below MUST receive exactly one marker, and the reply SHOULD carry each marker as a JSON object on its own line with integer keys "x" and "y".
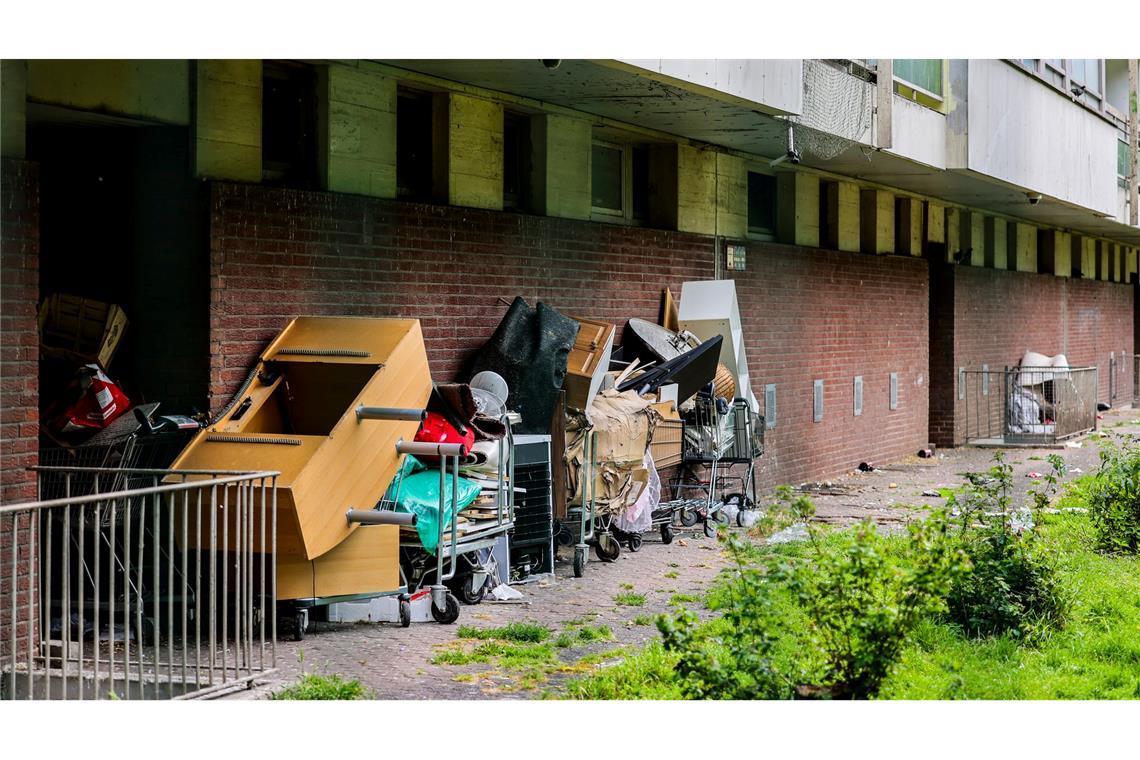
{"x": 529, "y": 349}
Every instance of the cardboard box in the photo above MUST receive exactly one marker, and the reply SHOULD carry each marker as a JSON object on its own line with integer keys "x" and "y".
{"x": 82, "y": 330}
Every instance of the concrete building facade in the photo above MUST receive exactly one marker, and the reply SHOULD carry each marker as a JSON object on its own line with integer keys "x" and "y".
{"x": 898, "y": 218}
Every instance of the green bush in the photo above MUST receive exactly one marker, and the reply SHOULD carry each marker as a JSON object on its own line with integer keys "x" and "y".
{"x": 859, "y": 599}
{"x": 1114, "y": 498}
{"x": 1011, "y": 586}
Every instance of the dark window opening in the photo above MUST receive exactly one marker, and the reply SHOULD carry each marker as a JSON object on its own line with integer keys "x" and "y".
{"x": 289, "y": 125}
{"x": 413, "y": 145}
{"x": 605, "y": 179}
{"x": 761, "y": 203}
{"x": 640, "y": 181}
{"x": 516, "y": 162}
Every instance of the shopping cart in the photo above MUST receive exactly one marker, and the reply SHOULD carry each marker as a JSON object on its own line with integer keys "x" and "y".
{"x": 717, "y": 436}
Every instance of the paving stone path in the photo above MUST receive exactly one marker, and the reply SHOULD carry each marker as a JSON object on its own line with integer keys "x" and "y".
{"x": 396, "y": 663}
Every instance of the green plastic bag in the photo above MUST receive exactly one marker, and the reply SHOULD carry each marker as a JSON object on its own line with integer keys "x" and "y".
{"x": 419, "y": 495}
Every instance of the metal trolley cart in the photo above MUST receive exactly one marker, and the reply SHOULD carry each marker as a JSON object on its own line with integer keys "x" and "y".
{"x": 713, "y": 443}
{"x": 463, "y": 561}
{"x": 579, "y": 529}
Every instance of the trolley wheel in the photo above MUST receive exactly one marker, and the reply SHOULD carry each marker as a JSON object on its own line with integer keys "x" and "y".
{"x": 607, "y": 547}
{"x": 635, "y": 542}
{"x": 405, "y": 613}
{"x": 579, "y": 562}
{"x": 666, "y": 533}
{"x": 469, "y": 594}
{"x": 450, "y": 612}
{"x": 300, "y": 623}
{"x": 688, "y": 517}
{"x": 710, "y": 527}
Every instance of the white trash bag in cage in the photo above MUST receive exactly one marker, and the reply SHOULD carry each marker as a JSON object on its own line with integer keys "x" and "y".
{"x": 638, "y": 518}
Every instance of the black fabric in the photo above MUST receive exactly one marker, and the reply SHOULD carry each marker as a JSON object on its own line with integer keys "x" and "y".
{"x": 529, "y": 349}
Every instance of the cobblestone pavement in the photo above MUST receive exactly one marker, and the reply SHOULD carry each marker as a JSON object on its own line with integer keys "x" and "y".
{"x": 395, "y": 663}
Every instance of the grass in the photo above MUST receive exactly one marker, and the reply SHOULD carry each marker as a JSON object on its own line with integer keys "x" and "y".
{"x": 1095, "y": 656}
{"x": 642, "y": 620}
{"x": 313, "y": 686}
{"x": 684, "y": 599}
{"x": 629, "y": 599}
{"x": 521, "y": 632}
{"x": 671, "y": 574}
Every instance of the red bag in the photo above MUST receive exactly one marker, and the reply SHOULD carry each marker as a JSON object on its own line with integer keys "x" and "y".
{"x": 101, "y": 403}
{"x": 436, "y": 429}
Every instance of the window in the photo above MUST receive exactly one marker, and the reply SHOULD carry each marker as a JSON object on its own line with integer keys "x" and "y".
{"x": 924, "y": 74}
{"x": 619, "y": 181}
{"x": 413, "y": 145}
{"x": 516, "y": 162}
{"x": 289, "y": 124}
{"x": 761, "y": 204}
{"x": 1079, "y": 78}
{"x": 1121, "y": 162}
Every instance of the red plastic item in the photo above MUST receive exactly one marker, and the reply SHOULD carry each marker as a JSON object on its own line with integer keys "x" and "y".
{"x": 436, "y": 429}
{"x": 101, "y": 403}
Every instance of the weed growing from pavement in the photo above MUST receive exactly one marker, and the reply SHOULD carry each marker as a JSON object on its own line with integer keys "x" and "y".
{"x": 684, "y": 599}
{"x": 627, "y": 586}
{"x": 312, "y": 686}
{"x": 672, "y": 574}
{"x": 526, "y": 632}
{"x": 642, "y": 620}
{"x": 630, "y": 599}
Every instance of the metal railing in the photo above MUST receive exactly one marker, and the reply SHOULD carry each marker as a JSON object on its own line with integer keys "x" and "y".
{"x": 1042, "y": 405}
{"x": 163, "y": 590}
{"x": 1135, "y": 380}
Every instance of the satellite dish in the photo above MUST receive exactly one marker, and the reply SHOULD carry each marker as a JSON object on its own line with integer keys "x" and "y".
{"x": 652, "y": 342}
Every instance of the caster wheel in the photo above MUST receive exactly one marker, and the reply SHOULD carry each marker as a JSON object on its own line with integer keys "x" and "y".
{"x": 688, "y": 518}
{"x": 579, "y": 563}
{"x": 666, "y": 534}
{"x": 449, "y": 614}
{"x": 720, "y": 516}
{"x": 469, "y": 594}
{"x": 607, "y": 548}
{"x": 710, "y": 528}
{"x": 635, "y": 542}
{"x": 405, "y": 613}
{"x": 300, "y": 623}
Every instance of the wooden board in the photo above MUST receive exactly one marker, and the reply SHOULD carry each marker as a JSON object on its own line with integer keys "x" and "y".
{"x": 366, "y": 562}
{"x": 587, "y": 359}
{"x": 350, "y": 467}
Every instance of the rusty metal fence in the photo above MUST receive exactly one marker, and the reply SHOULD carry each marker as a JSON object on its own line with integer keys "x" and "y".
{"x": 163, "y": 589}
{"x": 1031, "y": 405}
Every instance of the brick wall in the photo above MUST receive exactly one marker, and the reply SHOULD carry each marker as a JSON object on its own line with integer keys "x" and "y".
{"x": 807, "y": 314}
{"x": 19, "y": 408}
{"x": 999, "y": 315}
{"x": 813, "y": 314}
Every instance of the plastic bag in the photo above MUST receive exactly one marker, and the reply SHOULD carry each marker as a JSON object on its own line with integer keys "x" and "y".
{"x": 639, "y": 517}
{"x": 419, "y": 495}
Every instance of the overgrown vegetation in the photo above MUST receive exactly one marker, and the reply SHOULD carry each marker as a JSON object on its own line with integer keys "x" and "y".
{"x": 314, "y": 686}
{"x": 521, "y": 632}
{"x": 1114, "y": 498}
{"x": 1011, "y": 584}
{"x": 629, "y": 599}
{"x": 981, "y": 600}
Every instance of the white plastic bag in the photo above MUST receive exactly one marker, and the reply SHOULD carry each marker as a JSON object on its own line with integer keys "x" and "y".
{"x": 639, "y": 517}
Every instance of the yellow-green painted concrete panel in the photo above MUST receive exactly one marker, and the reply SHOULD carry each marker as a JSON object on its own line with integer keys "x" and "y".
{"x": 797, "y": 208}
{"x": 152, "y": 90}
{"x": 474, "y": 152}
{"x": 13, "y": 108}
{"x": 1026, "y": 239}
{"x": 997, "y": 242}
{"x": 360, "y": 132}
{"x": 696, "y": 190}
{"x": 977, "y": 243}
{"x": 227, "y": 128}
{"x": 935, "y": 222}
{"x": 561, "y": 165}
{"x": 732, "y": 196}
{"x": 847, "y": 211}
